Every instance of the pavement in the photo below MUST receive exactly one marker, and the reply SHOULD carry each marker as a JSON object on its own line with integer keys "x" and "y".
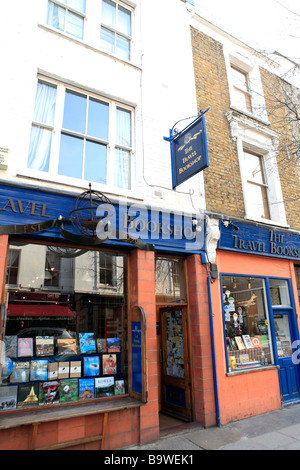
{"x": 275, "y": 430}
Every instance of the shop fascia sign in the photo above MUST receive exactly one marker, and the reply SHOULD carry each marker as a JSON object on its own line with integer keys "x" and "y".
{"x": 252, "y": 239}
{"x": 189, "y": 153}
{"x": 23, "y": 212}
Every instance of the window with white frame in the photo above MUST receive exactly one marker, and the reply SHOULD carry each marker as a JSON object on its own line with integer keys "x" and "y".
{"x": 80, "y": 136}
{"x": 67, "y": 16}
{"x": 257, "y": 151}
{"x": 241, "y": 90}
{"x": 256, "y": 185}
{"x": 116, "y": 29}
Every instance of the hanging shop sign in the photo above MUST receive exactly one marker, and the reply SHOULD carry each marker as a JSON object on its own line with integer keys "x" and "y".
{"x": 251, "y": 239}
{"x": 189, "y": 153}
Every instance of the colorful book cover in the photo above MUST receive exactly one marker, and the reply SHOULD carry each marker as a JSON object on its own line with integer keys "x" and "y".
{"x": 239, "y": 343}
{"x": 44, "y": 345}
{"x": 91, "y": 366}
{"x": 87, "y": 342}
{"x": 66, "y": 346}
{"x": 8, "y": 397}
{"x": 20, "y": 372}
{"x": 25, "y": 347}
{"x": 104, "y": 387}
{"x": 49, "y": 392}
{"x": 39, "y": 370}
{"x": 113, "y": 345}
{"x": 102, "y": 345}
{"x": 68, "y": 390}
{"x": 256, "y": 342}
{"x": 247, "y": 341}
{"x": 86, "y": 389}
{"x": 109, "y": 363}
{"x": 119, "y": 387}
{"x": 28, "y": 395}
{"x": 10, "y": 346}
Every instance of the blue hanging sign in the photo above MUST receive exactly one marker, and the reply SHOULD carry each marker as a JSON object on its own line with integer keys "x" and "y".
{"x": 189, "y": 151}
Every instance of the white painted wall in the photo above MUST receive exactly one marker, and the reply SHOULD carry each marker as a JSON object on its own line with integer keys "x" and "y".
{"x": 159, "y": 83}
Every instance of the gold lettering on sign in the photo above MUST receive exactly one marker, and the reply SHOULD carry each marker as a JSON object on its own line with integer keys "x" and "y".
{"x": 31, "y": 207}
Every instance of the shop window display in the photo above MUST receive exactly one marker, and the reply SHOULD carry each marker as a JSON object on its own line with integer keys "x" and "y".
{"x": 248, "y": 338}
{"x": 65, "y": 324}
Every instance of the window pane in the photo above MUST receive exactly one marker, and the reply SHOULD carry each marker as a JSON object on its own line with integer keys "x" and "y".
{"x": 123, "y": 48}
{"x": 70, "y": 156}
{"x": 283, "y": 335}
{"x": 253, "y": 168}
{"x": 95, "y": 162}
{"x": 98, "y": 119}
{"x": 107, "y": 40}
{"x": 248, "y": 336}
{"x": 124, "y": 21}
{"x": 78, "y": 5}
{"x": 257, "y": 201}
{"x": 122, "y": 168}
{"x": 123, "y": 136}
{"x": 39, "y": 149}
{"x": 45, "y": 103}
{"x": 56, "y": 16}
{"x": 85, "y": 328}
{"x": 280, "y": 292}
{"x": 74, "y": 25}
{"x": 170, "y": 280}
{"x": 108, "y": 13}
{"x": 74, "y": 112}
{"x": 239, "y": 79}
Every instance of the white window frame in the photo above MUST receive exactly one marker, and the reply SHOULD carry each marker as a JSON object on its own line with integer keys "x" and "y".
{"x": 116, "y": 32}
{"x": 52, "y": 174}
{"x": 67, "y": 9}
{"x": 249, "y": 67}
{"x": 254, "y": 138}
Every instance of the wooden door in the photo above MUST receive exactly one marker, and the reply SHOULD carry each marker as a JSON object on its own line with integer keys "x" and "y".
{"x": 175, "y": 370}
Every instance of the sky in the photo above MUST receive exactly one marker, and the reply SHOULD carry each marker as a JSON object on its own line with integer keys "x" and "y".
{"x": 267, "y": 25}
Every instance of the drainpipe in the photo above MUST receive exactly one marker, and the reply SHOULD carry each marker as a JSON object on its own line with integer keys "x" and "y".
{"x": 213, "y": 353}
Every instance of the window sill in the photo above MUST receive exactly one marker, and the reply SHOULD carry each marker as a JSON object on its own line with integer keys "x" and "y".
{"x": 21, "y": 417}
{"x": 248, "y": 371}
{"x": 249, "y": 115}
{"x": 89, "y": 46}
{"x": 267, "y": 222}
{"x": 78, "y": 185}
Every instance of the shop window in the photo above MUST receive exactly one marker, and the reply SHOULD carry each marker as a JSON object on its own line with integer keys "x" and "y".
{"x": 68, "y": 18}
{"x": 93, "y": 143}
{"x": 65, "y": 327}
{"x": 248, "y": 337}
{"x": 170, "y": 280}
{"x": 115, "y": 34}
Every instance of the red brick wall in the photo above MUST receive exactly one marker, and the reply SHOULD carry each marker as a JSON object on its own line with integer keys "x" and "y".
{"x": 201, "y": 362}
{"x": 142, "y": 293}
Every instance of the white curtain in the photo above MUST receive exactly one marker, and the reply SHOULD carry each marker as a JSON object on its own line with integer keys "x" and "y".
{"x": 122, "y": 156}
{"x": 74, "y": 23}
{"x": 56, "y": 16}
{"x": 40, "y": 141}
